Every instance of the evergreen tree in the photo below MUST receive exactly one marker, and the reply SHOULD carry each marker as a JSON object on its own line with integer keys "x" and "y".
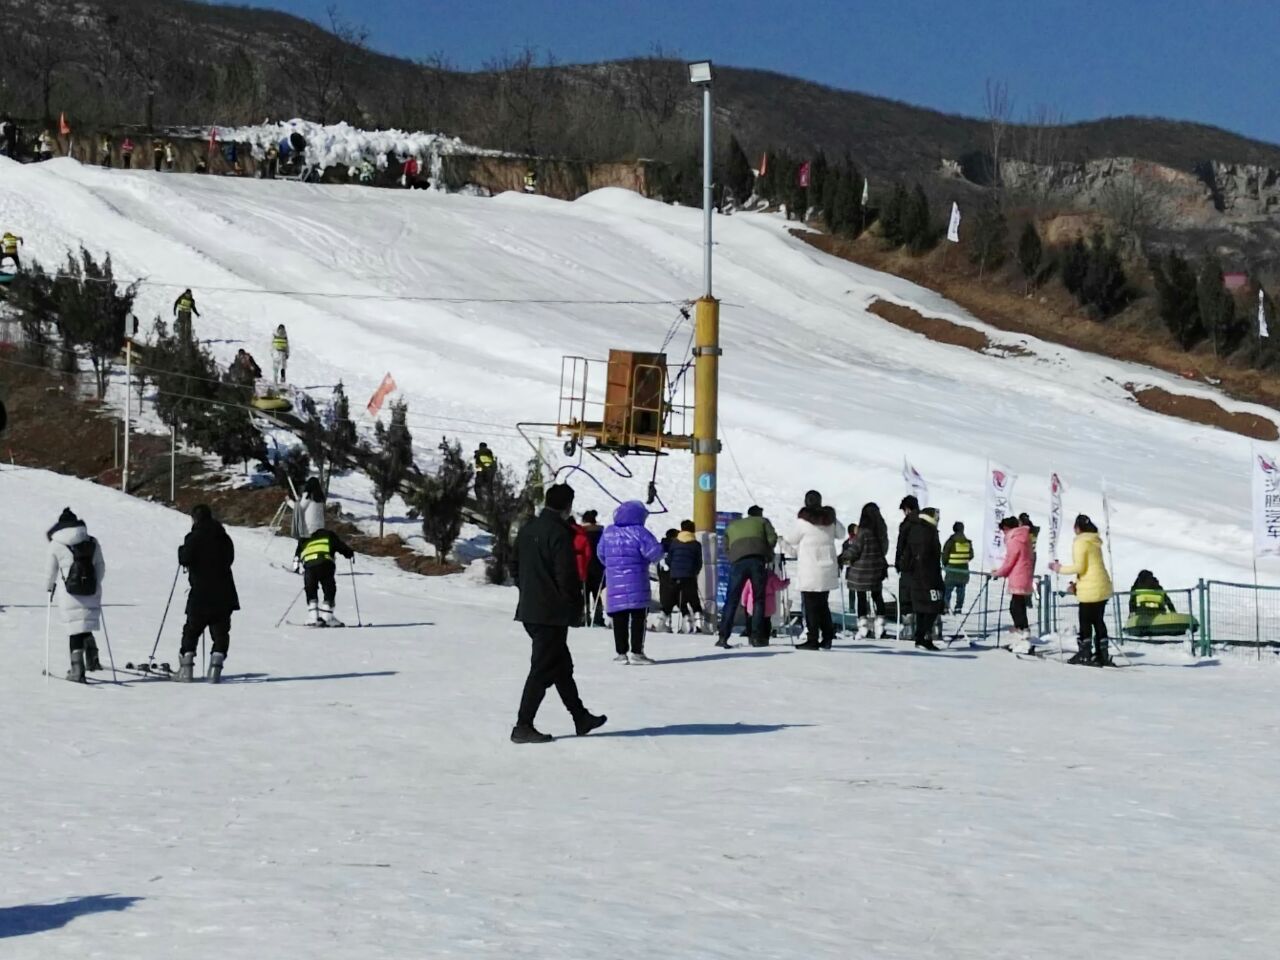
{"x": 738, "y": 177}
{"x": 832, "y": 211}
{"x": 391, "y": 459}
{"x": 1104, "y": 290}
{"x": 31, "y": 296}
{"x": 989, "y": 246}
{"x": 292, "y": 468}
{"x": 766, "y": 183}
{"x": 917, "y": 224}
{"x": 1177, "y": 299}
{"x": 1075, "y": 263}
{"x": 852, "y": 216}
{"x": 892, "y": 216}
{"x": 503, "y": 505}
{"x": 439, "y": 499}
{"x": 1217, "y": 309}
{"x": 819, "y": 170}
{"x": 1030, "y": 254}
{"x": 328, "y": 435}
{"x": 92, "y": 313}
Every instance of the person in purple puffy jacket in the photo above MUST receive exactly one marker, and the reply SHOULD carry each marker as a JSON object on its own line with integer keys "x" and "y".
{"x": 627, "y": 550}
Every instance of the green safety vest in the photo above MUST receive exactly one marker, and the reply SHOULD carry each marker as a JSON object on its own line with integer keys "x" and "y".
{"x": 961, "y": 554}
{"x": 485, "y": 460}
{"x": 1149, "y": 598}
{"x": 317, "y": 550}
{"x": 280, "y": 343}
{"x": 10, "y": 243}
{"x": 186, "y": 303}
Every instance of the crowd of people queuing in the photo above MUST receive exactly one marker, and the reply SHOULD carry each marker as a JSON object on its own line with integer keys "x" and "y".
{"x": 567, "y": 571}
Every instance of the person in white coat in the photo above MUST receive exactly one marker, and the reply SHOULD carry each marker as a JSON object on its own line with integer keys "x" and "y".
{"x": 814, "y": 535}
{"x": 308, "y": 514}
{"x": 76, "y": 565}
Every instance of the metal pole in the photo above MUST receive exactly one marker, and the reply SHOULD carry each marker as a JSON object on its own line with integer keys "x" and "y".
{"x": 708, "y": 153}
{"x": 128, "y": 411}
{"x": 173, "y": 461}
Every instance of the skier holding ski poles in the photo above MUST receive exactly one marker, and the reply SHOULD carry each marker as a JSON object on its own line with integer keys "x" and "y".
{"x": 75, "y": 562}
{"x": 316, "y": 553}
{"x": 208, "y": 554}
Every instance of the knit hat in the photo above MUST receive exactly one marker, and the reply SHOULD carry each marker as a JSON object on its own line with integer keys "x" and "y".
{"x": 67, "y": 518}
{"x": 559, "y": 496}
{"x": 812, "y": 500}
{"x": 755, "y": 511}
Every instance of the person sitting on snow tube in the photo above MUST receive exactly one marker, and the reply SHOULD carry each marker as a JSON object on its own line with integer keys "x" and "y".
{"x": 1147, "y": 596}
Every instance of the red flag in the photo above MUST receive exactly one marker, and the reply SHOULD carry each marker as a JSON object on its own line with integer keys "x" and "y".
{"x": 764, "y": 164}
{"x": 388, "y": 386}
{"x": 213, "y": 139}
{"x": 64, "y": 128}
{"x": 804, "y": 174}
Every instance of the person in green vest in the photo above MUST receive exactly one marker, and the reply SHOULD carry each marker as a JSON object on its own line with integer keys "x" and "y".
{"x": 279, "y": 353}
{"x": 1147, "y": 596}
{"x": 315, "y": 554}
{"x": 183, "y": 308}
{"x": 486, "y": 470}
{"x": 957, "y": 554}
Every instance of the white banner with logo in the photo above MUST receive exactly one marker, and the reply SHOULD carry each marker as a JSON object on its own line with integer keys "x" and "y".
{"x": 1000, "y": 483}
{"x": 915, "y": 484}
{"x": 1262, "y": 315}
{"x": 953, "y": 229}
{"x": 1266, "y": 505}
{"x": 1055, "y": 515}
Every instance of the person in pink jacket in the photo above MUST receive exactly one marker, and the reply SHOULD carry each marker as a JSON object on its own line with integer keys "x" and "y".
{"x": 1019, "y": 570}
{"x": 773, "y": 585}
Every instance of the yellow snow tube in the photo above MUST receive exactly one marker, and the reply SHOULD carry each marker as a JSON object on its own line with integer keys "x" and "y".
{"x": 272, "y": 404}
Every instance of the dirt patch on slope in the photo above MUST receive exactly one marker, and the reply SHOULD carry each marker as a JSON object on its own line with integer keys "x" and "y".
{"x": 1203, "y": 411}
{"x": 942, "y": 331}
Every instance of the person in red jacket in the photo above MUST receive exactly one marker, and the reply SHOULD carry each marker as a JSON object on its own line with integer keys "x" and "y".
{"x": 582, "y": 549}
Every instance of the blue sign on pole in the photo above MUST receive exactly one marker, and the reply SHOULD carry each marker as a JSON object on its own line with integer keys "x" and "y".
{"x": 706, "y": 482}
{"x": 723, "y": 519}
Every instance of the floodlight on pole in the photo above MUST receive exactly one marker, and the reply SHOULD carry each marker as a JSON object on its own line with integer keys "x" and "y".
{"x": 700, "y": 72}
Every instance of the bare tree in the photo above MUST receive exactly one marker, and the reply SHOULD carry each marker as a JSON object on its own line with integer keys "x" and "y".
{"x": 142, "y": 46}
{"x": 660, "y": 86}
{"x": 524, "y": 91}
{"x": 326, "y": 71}
{"x": 997, "y": 109}
{"x": 1135, "y": 203}
{"x": 1039, "y": 143}
{"x": 46, "y": 58}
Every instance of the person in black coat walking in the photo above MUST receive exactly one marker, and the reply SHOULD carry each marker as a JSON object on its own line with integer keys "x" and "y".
{"x": 546, "y": 573}
{"x": 923, "y": 566}
{"x": 910, "y": 508}
{"x": 208, "y": 554}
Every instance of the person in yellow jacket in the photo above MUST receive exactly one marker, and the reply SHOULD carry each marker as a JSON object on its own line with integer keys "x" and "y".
{"x": 279, "y": 353}
{"x": 1093, "y": 590}
{"x": 9, "y": 245}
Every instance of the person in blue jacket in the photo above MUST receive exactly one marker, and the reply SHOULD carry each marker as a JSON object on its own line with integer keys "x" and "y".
{"x": 684, "y": 558}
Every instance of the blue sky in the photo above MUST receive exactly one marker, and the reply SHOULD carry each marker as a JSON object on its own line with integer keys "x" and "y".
{"x": 1211, "y": 62}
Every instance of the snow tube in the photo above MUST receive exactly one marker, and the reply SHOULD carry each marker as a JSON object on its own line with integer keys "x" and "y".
{"x": 1160, "y": 624}
{"x": 272, "y": 404}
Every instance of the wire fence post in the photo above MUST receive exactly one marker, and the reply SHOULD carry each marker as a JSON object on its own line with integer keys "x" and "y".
{"x": 1202, "y": 647}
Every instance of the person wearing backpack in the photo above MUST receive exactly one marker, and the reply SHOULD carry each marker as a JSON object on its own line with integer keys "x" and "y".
{"x": 75, "y": 564}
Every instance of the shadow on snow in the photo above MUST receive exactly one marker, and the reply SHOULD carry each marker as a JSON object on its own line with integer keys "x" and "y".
{"x": 29, "y": 918}
{"x": 700, "y": 730}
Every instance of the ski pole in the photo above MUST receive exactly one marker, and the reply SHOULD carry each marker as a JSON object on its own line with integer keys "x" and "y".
{"x": 290, "y": 607}
{"x": 204, "y": 663}
{"x": 156, "y": 646}
{"x": 48, "y": 621}
{"x": 355, "y": 594}
{"x": 965, "y": 619}
{"x": 106, "y": 636}
{"x": 1000, "y": 612}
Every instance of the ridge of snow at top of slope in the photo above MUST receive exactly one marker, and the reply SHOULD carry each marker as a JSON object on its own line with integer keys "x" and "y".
{"x": 816, "y": 392}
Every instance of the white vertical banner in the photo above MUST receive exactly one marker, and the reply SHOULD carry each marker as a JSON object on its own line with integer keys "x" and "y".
{"x": 1266, "y": 505}
{"x": 953, "y": 228}
{"x": 915, "y": 484}
{"x": 1055, "y": 514}
{"x": 1262, "y": 314}
{"x": 1000, "y": 483}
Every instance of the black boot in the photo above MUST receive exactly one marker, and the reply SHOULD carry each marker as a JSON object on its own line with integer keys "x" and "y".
{"x": 587, "y": 722}
{"x": 926, "y": 644}
{"x": 525, "y": 733}
{"x": 1103, "y": 657}
{"x": 1084, "y": 654}
{"x": 91, "y": 661}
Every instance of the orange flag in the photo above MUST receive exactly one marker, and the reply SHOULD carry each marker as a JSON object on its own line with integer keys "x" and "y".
{"x": 388, "y": 386}
{"x": 64, "y": 128}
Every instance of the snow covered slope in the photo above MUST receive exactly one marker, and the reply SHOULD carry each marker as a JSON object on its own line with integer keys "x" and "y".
{"x": 817, "y": 391}
{"x": 351, "y": 794}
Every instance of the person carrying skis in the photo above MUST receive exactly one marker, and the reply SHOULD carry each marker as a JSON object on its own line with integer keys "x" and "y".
{"x": 684, "y": 559}
{"x": 316, "y": 555}
{"x": 957, "y": 554}
{"x": 910, "y": 508}
{"x": 126, "y": 153}
{"x": 75, "y": 563}
{"x": 749, "y": 541}
{"x": 921, "y": 567}
{"x": 9, "y": 244}
{"x": 1092, "y": 589}
{"x": 208, "y": 554}
{"x": 550, "y": 603}
{"x": 1019, "y": 569}
{"x": 867, "y": 562}
{"x": 279, "y": 353}
{"x": 813, "y": 535}
{"x": 594, "y": 580}
{"x": 627, "y": 550}
{"x": 183, "y": 308}
{"x": 486, "y": 470}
